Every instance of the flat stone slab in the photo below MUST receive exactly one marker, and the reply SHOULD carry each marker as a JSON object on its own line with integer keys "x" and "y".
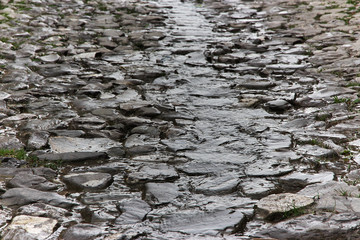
{"x": 332, "y": 188}
{"x": 83, "y": 231}
{"x": 257, "y": 188}
{"x": 319, "y": 226}
{"x": 29, "y": 227}
{"x": 68, "y": 144}
{"x": 31, "y": 181}
{"x": 132, "y": 211}
{"x": 217, "y": 185}
{"x": 281, "y": 203}
{"x": 155, "y": 172}
{"x": 88, "y": 180}
{"x": 160, "y": 193}
{"x": 73, "y": 156}
{"x": 23, "y": 196}
{"x": 197, "y": 222}
{"x": 296, "y": 181}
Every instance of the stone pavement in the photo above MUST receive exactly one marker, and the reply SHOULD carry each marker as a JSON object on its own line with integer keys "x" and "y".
{"x": 178, "y": 119}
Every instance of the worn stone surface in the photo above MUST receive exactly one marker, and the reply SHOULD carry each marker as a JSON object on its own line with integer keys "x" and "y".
{"x": 29, "y": 227}
{"x": 196, "y": 107}
{"x": 281, "y": 203}
{"x": 83, "y": 231}
{"x": 23, "y": 196}
{"x": 196, "y": 222}
{"x": 87, "y": 180}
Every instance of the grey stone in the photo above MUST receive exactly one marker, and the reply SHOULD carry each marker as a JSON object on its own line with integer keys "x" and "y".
{"x": 23, "y": 196}
{"x": 51, "y": 58}
{"x": 43, "y": 210}
{"x": 29, "y": 228}
{"x": 315, "y": 226}
{"x": 25, "y": 180}
{"x": 267, "y": 168}
{"x": 132, "y": 211}
{"x": 203, "y": 168}
{"x": 198, "y": 222}
{"x": 158, "y": 172}
{"x": 331, "y": 188}
{"x": 73, "y": 156}
{"x": 160, "y": 193}
{"x": 37, "y": 140}
{"x": 281, "y": 203}
{"x": 257, "y": 188}
{"x": 69, "y": 144}
{"x": 83, "y": 231}
{"x": 296, "y": 181}
{"x": 217, "y": 185}
{"x": 87, "y": 180}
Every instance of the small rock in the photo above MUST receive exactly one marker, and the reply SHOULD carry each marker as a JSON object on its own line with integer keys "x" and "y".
{"x": 296, "y": 181}
{"x": 52, "y": 58}
{"x": 160, "y": 193}
{"x": 69, "y": 144}
{"x": 159, "y": 172}
{"x": 88, "y": 180}
{"x": 132, "y": 211}
{"x": 73, "y": 156}
{"x": 319, "y": 226}
{"x": 23, "y": 196}
{"x": 257, "y": 188}
{"x": 83, "y": 231}
{"x": 197, "y": 222}
{"x": 25, "y": 180}
{"x": 278, "y": 105}
{"x": 29, "y": 227}
{"x": 272, "y": 205}
{"x": 43, "y": 210}
{"x": 37, "y": 140}
{"x": 217, "y": 185}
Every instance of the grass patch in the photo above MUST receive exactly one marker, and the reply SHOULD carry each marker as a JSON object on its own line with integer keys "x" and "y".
{"x": 32, "y": 161}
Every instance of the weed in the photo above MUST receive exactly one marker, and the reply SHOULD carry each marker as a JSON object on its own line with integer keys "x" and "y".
{"x": 4, "y": 39}
{"x": 343, "y": 192}
{"x": 14, "y": 153}
{"x": 294, "y": 211}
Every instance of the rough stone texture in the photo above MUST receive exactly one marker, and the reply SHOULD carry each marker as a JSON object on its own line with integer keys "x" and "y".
{"x": 296, "y": 181}
{"x": 132, "y": 211}
{"x": 29, "y": 227}
{"x": 73, "y": 156}
{"x": 87, "y": 181}
{"x": 160, "y": 193}
{"x": 257, "y": 188}
{"x": 332, "y": 188}
{"x": 24, "y": 180}
{"x": 274, "y": 204}
{"x": 319, "y": 226}
{"x": 83, "y": 232}
{"x": 68, "y": 144}
{"x": 23, "y": 196}
{"x": 193, "y": 222}
{"x": 159, "y": 172}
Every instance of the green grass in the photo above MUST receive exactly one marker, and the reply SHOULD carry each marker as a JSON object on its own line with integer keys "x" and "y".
{"x": 32, "y": 161}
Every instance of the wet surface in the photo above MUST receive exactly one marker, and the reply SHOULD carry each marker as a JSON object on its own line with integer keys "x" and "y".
{"x": 179, "y": 119}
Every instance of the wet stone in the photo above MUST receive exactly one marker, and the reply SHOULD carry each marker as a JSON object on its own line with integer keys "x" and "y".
{"x": 198, "y": 222}
{"x": 88, "y": 180}
{"x": 43, "y": 210}
{"x": 331, "y": 188}
{"x": 25, "y": 180}
{"x": 70, "y": 144}
{"x": 217, "y": 185}
{"x": 319, "y": 226}
{"x": 257, "y": 188}
{"x": 38, "y": 140}
{"x": 29, "y": 227}
{"x": 275, "y": 204}
{"x": 296, "y": 181}
{"x": 23, "y": 196}
{"x": 160, "y": 193}
{"x": 268, "y": 168}
{"x": 159, "y": 172}
{"x": 203, "y": 168}
{"x": 83, "y": 231}
{"x": 73, "y": 156}
{"x": 132, "y": 211}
